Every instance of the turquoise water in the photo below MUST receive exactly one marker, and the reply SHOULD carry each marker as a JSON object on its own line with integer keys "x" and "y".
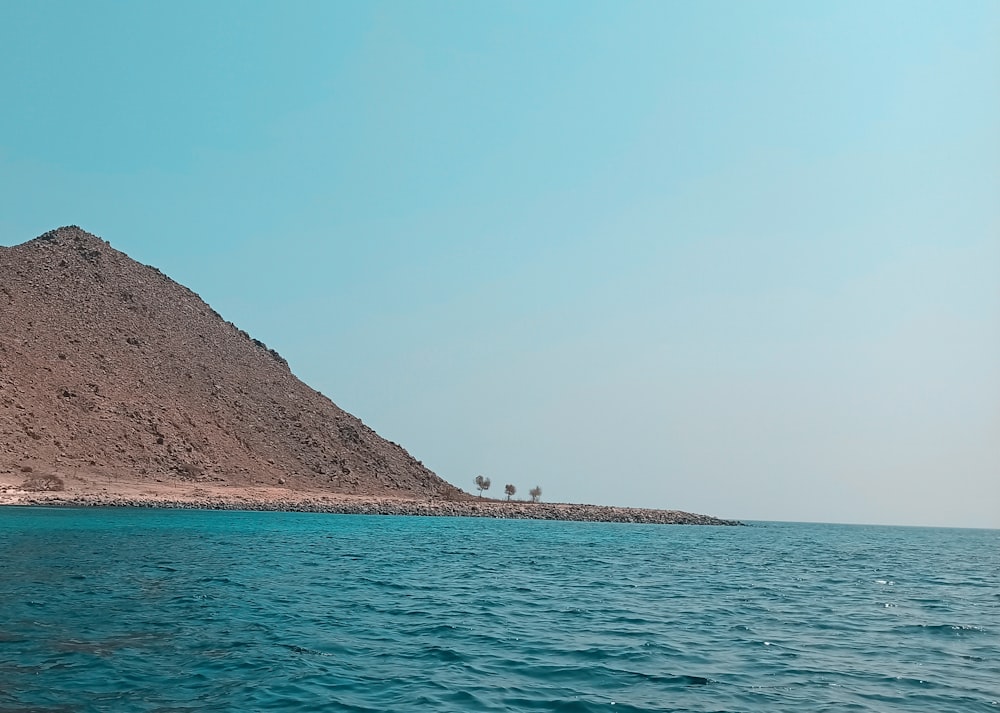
{"x": 153, "y": 610}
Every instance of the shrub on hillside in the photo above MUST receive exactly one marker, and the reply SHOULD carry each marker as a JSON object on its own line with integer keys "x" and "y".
{"x": 39, "y": 483}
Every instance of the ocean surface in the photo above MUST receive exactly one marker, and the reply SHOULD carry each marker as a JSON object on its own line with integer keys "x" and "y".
{"x": 158, "y": 610}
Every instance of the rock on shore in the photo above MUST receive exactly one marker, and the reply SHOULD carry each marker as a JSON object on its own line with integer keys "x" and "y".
{"x": 381, "y": 506}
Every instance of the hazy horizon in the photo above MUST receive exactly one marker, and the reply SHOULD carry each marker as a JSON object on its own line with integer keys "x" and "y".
{"x": 737, "y": 259}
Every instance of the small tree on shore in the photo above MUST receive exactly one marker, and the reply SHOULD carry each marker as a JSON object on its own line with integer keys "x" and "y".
{"x": 535, "y": 493}
{"x": 483, "y": 484}
{"x": 510, "y": 490}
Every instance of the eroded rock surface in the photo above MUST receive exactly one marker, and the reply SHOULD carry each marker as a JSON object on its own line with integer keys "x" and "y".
{"x": 111, "y": 370}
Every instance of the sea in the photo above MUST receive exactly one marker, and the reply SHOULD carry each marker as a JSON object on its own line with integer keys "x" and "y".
{"x": 179, "y": 610}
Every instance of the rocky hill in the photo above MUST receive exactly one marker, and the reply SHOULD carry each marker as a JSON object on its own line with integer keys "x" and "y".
{"x": 110, "y": 369}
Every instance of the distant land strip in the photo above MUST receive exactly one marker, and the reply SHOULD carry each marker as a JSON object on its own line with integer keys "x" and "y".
{"x": 515, "y": 510}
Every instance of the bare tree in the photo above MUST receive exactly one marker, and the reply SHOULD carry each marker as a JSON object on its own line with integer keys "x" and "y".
{"x": 483, "y": 484}
{"x": 535, "y": 493}
{"x": 510, "y": 490}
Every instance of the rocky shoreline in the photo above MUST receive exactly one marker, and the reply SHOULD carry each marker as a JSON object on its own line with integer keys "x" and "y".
{"x": 384, "y": 506}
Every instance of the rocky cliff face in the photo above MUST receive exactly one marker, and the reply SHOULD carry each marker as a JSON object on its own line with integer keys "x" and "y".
{"x": 109, "y": 368}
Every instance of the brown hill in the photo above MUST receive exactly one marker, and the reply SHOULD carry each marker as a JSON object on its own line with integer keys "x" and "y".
{"x": 110, "y": 369}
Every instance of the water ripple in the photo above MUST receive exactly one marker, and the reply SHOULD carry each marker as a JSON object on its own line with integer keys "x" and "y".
{"x": 153, "y": 611}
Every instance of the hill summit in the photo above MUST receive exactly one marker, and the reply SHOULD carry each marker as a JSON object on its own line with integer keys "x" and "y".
{"x": 110, "y": 369}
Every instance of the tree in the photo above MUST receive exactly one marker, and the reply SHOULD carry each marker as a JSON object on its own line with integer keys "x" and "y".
{"x": 510, "y": 490}
{"x": 535, "y": 492}
{"x": 483, "y": 484}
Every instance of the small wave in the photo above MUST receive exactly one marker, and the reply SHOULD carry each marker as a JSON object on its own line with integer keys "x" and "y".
{"x": 295, "y": 648}
{"x": 682, "y": 680}
{"x": 943, "y": 629}
{"x": 523, "y": 702}
{"x": 433, "y": 630}
{"x": 216, "y": 580}
{"x": 444, "y": 654}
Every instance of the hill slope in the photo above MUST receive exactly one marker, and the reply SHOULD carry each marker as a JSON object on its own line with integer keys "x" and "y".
{"x": 110, "y": 368}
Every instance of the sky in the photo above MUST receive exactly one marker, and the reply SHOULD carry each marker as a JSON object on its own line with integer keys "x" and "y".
{"x": 734, "y": 258}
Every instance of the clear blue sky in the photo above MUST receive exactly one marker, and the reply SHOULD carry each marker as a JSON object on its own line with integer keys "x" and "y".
{"x": 740, "y": 258}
